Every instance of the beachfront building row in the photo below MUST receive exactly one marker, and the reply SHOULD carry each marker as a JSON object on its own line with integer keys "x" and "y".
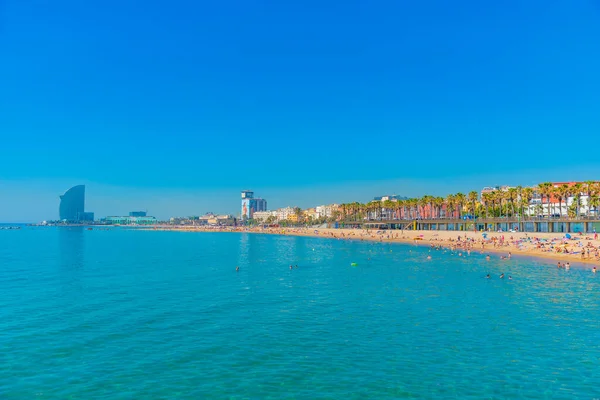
{"x": 295, "y": 214}
{"x": 555, "y": 199}
{"x": 559, "y": 199}
{"x": 281, "y": 214}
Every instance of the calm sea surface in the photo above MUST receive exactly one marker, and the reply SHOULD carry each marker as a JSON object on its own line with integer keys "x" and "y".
{"x": 124, "y": 314}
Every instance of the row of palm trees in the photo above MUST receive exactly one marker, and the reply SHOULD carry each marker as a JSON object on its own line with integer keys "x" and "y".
{"x": 511, "y": 202}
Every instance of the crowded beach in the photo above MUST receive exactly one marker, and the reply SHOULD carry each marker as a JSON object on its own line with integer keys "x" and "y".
{"x": 574, "y": 248}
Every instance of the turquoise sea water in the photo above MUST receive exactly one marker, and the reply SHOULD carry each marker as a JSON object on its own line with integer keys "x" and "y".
{"x": 124, "y": 314}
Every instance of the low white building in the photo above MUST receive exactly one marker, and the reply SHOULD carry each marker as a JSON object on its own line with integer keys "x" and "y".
{"x": 264, "y": 215}
{"x": 326, "y": 211}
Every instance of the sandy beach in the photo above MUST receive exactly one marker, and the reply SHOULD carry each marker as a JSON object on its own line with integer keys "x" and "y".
{"x": 579, "y": 249}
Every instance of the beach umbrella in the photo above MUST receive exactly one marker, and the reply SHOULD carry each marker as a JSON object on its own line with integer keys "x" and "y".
{"x": 568, "y": 236}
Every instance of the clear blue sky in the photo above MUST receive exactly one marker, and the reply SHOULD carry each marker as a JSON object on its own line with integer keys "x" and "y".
{"x": 176, "y": 106}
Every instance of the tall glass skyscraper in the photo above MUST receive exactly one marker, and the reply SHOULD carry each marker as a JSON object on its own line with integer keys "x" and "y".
{"x": 72, "y": 204}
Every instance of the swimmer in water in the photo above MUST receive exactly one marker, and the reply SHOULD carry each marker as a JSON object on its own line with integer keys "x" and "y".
{"x": 558, "y": 265}
{"x": 509, "y": 254}
{"x": 237, "y": 268}
{"x": 594, "y": 270}
{"x": 291, "y": 267}
{"x": 567, "y": 266}
{"x": 487, "y": 276}
{"x": 502, "y": 276}
{"x": 510, "y": 278}
{"x": 487, "y": 258}
{"x": 429, "y": 257}
{"x": 296, "y": 265}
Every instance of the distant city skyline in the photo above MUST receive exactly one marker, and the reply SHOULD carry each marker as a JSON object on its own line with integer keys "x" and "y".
{"x": 38, "y": 200}
{"x": 180, "y": 108}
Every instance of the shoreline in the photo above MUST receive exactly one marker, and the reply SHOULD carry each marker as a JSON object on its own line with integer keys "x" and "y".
{"x": 528, "y": 244}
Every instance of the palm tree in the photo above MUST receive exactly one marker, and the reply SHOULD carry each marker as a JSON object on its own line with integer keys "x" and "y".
{"x": 460, "y": 200}
{"x": 364, "y": 210}
{"x": 430, "y": 203}
{"x": 500, "y": 196}
{"x": 423, "y": 201}
{"x": 526, "y": 196}
{"x": 562, "y": 192}
{"x": 472, "y": 197}
{"x": 545, "y": 189}
{"x": 595, "y": 195}
{"x": 450, "y": 204}
{"x": 594, "y": 201}
{"x": 486, "y": 198}
{"x": 589, "y": 189}
{"x": 439, "y": 203}
{"x": 493, "y": 199}
{"x": 576, "y": 191}
{"x": 298, "y": 213}
{"x": 415, "y": 208}
{"x": 388, "y": 206}
{"x": 511, "y": 196}
{"x": 518, "y": 199}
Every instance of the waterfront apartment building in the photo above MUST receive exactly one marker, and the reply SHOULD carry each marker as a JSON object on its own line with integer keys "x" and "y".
{"x": 251, "y": 205}
{"x": 138, "y": 213}
{"x": 311, "y": 213}
{"x": 285, "y": 213}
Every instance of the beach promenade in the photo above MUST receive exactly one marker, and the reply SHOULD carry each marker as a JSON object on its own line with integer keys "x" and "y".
{"x": 579, "y": 249}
